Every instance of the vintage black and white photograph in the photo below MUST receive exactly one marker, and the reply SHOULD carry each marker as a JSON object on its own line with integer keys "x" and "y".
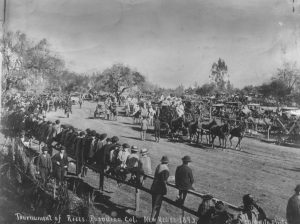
{"x": 150, "y": 111}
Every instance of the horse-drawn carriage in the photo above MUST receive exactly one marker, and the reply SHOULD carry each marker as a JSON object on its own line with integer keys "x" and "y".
{"x": 99, "y": 111}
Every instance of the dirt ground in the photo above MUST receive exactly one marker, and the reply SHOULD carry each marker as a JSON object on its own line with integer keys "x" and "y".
{"x": 267, "y": 171}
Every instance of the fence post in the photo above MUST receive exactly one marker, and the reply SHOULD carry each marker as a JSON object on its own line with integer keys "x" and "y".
{"x": 54, "y": 188}
{"x": 182, "y": 214}
{"x": 13, "y": 149}
{"x": 137, "y": 199}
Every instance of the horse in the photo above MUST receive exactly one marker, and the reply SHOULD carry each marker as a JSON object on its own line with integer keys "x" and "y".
{"x": 177, "y": 125}
{"x": 222, "y": 132}
{"x": 164, "y": 128}
{"x": 113, "y": 112}
{"x": 262, "y": 122}
{"x": 137, "y": 117}
{"x": 193, "y": 130}
{"x": 205, "y": 129}
{"x": 238, "y": 132}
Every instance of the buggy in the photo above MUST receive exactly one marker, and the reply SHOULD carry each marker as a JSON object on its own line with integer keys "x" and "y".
{"x": 99, "y": 111}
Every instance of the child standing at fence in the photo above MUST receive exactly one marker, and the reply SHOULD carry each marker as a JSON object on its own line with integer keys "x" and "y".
{"x": 156, "y": 128}
{"x": 60, "y": 160}
{"x": 44, "y": 165}
{"x": 144, "y": 128}
{"x": 159, "y": 187}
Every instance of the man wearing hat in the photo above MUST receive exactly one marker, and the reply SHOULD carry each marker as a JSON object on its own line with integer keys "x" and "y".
{"x": 100, "y": 157}
{"x": 132, "y": 164}
{"x": 124, "y": 154}
{"x": 251, "y": 212}
{"x": 184, "y": 179}
{"x": 220, "y": 214}
{"x": 159, "y": 186}
{"x": 115, "y": 139}
{"x": 293, "y": 207}
{"x": 106, "y": 153}
{"x": 25, "y": 140}
{"x": 79, "y": 152}
{"x": 206, "y": 209}
{"x": 133, "y": 158}
{"x": 156, "y": 128}
{"x": 60, "y": 161}
{"x": 145, "y": 164}
{"x": 62, "y": 134}
{"x": 100, "y": 143}
{"x": 144, "y": 128}
{"x": 87, "y": 150}
{"x": 44, "y": 165}
{"x": 113, "y": 155}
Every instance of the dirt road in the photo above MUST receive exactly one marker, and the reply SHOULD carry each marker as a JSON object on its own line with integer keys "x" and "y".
{"x": 267, "y": 171}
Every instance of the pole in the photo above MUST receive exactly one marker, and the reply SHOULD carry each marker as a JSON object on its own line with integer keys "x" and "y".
{"x": 137, "y": 199}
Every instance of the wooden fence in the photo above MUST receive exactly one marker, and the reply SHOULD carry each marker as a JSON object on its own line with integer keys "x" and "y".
{"x": 232, "y": 207}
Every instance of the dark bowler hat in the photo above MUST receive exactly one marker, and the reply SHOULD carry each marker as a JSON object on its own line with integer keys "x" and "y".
{"x": 115, "y": 139}
{"x": 164, "y": 159}
{"x": 97, "y": 135}
{"x": 93, "y": 133}
{"x": 108, "y": 140}
{"x": 297, "y": 189}
{"x": 219, "y": 206}
{"x": 88, "y": 130}
{"x": 62, "y": 148}
{"x": 207, "y": 197}
{"x": 248, "y": 199}
{"x": 102, "y": 136}
{"x": 186, "y": 159}
{"x": 82, "y": 133}
{"x": 125, "y": 145}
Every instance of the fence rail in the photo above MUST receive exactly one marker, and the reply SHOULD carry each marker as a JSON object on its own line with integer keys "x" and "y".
{"x": 166, "y": 199}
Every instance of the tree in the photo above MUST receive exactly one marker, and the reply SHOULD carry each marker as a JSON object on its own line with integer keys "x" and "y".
{"x": 277, "y": 89}
{"x": 28, "y": 64}
{"x": 119, "y": 78}
{"x": 218, "y": 74}
{"x": 289, "y": 74}
{"x": 178, "y": 91}
{"x": 206, "y": 89}
{"x": 249, "y": 90}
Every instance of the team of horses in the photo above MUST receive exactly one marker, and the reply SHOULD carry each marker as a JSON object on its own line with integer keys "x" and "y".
{"x": 195, "y": 130}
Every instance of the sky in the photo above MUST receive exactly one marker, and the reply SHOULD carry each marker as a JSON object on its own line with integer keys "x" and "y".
{"x": 171, "y": 42}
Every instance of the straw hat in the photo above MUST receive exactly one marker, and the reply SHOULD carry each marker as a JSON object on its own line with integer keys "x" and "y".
{"x": 144, "y": 151}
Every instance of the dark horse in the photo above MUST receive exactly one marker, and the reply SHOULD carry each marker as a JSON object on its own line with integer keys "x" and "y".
{"x": 238, "y": 132}
{"x": 193, "y": 130}
{"x": 222, "y": 131}
{"x": 137, "y": 117}
{"x": 205, "y": 129}
{"x": 177, "y": 125}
